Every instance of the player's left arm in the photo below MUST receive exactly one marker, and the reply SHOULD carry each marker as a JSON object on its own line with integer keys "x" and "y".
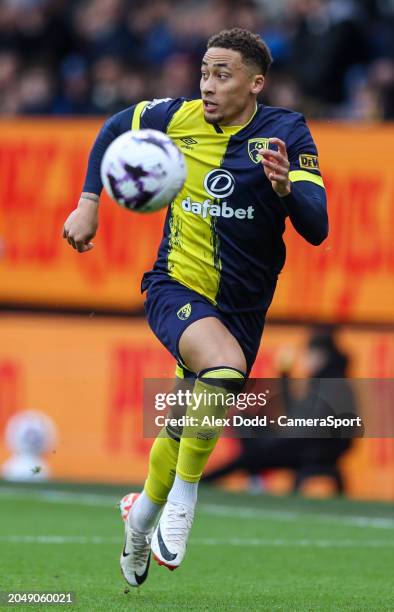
{"x": 295, "y": 177}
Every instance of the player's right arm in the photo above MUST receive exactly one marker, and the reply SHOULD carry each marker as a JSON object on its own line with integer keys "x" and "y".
{"x": 81, "y": 225}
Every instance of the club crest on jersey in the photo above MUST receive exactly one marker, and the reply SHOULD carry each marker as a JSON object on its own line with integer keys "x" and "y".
{"x": 184, "y": 312}
{"x": 255, "y": 145}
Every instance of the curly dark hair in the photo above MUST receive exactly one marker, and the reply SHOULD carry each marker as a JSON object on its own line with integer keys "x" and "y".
{"x": 252, "y": 48}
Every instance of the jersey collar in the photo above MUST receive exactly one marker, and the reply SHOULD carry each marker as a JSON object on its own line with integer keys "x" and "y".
{"x": 231, "y": 130}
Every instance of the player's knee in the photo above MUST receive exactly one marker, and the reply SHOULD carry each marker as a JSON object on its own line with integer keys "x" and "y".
{"x": 219, "y": 358}
{"x": 235, "y": 377}
{"x": 226, "y": 354}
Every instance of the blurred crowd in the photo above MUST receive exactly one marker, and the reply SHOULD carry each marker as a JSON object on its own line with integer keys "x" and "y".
{"x": 332, "y": 58}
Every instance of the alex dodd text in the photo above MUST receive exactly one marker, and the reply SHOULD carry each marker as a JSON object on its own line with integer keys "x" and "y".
{"x": 258, "y": 421}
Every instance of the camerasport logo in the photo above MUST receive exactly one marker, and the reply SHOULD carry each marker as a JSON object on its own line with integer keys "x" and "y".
{"x": 219, "y": 183}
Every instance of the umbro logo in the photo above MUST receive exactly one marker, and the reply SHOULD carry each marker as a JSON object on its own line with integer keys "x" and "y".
{"x": 188, "y": 142}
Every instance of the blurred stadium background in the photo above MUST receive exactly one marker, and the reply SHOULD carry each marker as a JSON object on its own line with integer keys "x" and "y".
{"x": 74, "y": 345}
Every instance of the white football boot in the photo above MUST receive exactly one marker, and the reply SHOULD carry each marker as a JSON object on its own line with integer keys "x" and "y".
{"x": 169, "y": 540}
{"x": 135, "y": 556}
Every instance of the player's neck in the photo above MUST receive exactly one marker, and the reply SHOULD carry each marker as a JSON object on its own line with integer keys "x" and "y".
{"x": 243, "y": 118}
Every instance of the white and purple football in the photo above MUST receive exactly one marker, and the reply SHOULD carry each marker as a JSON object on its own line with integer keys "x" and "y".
{"x": 143, "y": 170}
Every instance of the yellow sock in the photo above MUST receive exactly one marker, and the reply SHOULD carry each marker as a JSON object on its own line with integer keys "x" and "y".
{"x": 162, "y": 464}
{"x": 197, "y": 443}
{"x": 164, "y": 453}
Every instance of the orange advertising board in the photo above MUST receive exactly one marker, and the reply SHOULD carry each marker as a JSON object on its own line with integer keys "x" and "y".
{"x": 42, "y": 168}
{"x": 42, "y": 165}
{"x": 87, "y": 373}
{"x": 350, "y": 276}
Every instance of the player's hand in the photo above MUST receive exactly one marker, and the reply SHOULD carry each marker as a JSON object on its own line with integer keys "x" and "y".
{"x": 276, "y": 167}
{"x": 81, "y": 225}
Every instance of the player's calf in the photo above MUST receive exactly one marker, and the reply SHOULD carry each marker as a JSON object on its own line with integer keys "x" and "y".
{"x": 197, "y": 443}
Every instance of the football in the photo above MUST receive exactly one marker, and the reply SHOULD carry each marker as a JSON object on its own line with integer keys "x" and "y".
{"x": 143, "y": 170}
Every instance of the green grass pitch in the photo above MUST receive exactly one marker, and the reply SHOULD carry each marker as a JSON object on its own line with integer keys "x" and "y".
{"x": 246, "y": 552}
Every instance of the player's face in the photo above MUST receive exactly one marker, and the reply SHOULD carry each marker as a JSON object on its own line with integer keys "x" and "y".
{"x": 229, "y": 87}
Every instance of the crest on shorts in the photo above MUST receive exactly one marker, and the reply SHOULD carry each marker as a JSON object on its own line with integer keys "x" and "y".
{"x": 184, "y": 312}
{"x": 255, "y": 145}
